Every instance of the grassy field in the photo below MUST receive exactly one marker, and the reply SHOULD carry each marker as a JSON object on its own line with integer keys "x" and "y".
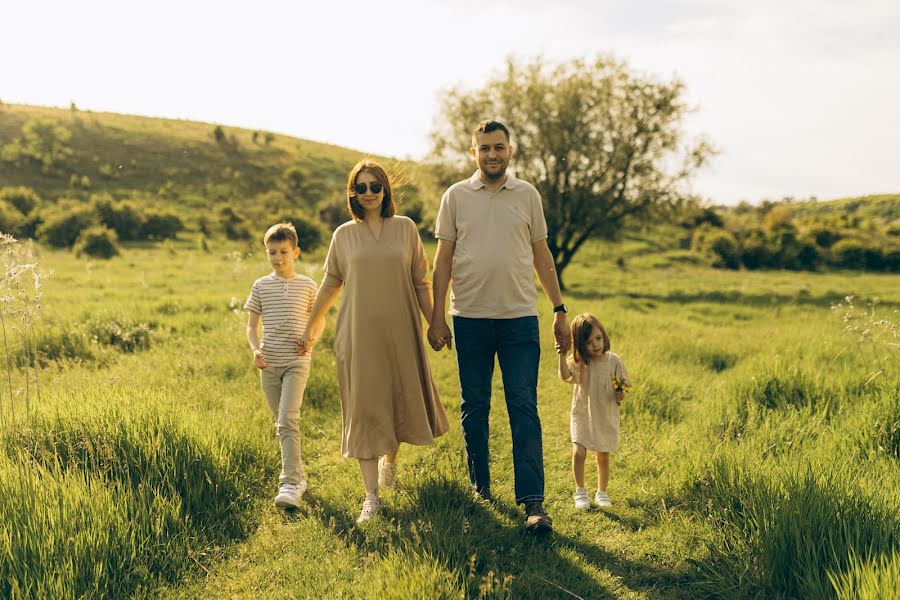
{"x": 758, "y": 459}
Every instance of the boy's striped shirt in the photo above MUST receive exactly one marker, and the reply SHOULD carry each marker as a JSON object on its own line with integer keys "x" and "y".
{"x": 284, "y": 305}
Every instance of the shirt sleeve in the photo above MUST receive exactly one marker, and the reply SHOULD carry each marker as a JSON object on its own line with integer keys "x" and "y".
{"x": 419, "y": 262}
{"x": 538, "y": 222}
{"x": 445, "y": 224}
{"x": 333, "y": 268}
{"x": 253, "y": 302}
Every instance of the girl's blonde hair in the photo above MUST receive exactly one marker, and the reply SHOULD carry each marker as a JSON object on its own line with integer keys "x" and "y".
{"x": 582, "y": 328}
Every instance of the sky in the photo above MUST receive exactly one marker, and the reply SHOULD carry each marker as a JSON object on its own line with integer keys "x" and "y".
{"x": 801, "y": 98}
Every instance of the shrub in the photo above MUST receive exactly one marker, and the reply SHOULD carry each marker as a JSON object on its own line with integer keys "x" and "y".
{"x": 855, "y": 254}
{"x": 310, "y": 233}
{"x": 806, "y": 255}
{"x": 756, "y": 254}
{"x": 97, "y": 242}
{"x": 161, "y": 225}
{"x": 125, "y": 218}
{"x": 62, "y": 228}
{"x": 11, "y": 220}
{"x": 121, "y": 333}
{"x": 24, "y": 199}
{"x": 825, "y": 236}
{"x": 234, "y": 224}
{"x": 718, "y": 244}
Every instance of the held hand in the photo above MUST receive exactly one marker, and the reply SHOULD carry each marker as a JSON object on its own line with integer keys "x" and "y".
{"x": 619, "y": 397}
{"x": 305, "y": 344}
{"x": 259, "y": 360}
{"x": 561, "y": 332}
{"x": 439, "y": 335}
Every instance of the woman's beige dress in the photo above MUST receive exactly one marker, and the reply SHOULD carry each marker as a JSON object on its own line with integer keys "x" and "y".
{"x": 594, "y": 419}
{"x": 387, "y": 392}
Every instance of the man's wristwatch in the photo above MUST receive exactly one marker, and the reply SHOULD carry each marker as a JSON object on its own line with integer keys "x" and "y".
{"x": 561, "y": 308}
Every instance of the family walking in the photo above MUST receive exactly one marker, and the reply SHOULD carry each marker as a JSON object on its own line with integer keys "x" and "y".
{"x": 491, "y": 239}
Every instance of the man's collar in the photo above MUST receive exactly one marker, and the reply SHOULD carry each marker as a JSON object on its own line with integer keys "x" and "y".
{"x": 476, "y": 182}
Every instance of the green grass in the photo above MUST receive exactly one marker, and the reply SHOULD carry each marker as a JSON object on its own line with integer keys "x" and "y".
{"x": 758, "y": 458}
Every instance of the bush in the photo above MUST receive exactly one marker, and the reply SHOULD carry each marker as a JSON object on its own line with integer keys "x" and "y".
{"x": 97, "y": 242}
{"x": 234, "y": 224}
{"x": 11, "y": 220}
{"x": 121, "y": 333}
{"x": 825, "y": 236}
{"x": 24, "y": 199}
{"x": 62, "y": 228}
{"x": 718, "y": 244}
{"x": 310, "y": 233}
{"x": 855, "y": 254}
{"x": 125, "y": 218}
{"x": 756, "y": 254}
{"x": 161, "y": 225}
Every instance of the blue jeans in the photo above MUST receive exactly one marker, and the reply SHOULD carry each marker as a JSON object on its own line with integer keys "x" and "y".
{"x": 516, "y": 343}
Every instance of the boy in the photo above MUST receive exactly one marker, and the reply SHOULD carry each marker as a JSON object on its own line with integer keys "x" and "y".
{"x": 283, "y": 299}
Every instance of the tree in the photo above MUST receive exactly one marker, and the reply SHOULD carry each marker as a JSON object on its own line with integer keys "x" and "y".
{"x": 596, "y": 139}
{"x": 45, "y": 141}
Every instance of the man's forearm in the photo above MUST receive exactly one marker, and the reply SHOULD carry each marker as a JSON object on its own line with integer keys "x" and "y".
{"x": 443, "y": 267}
{"x": 545, "y": 268}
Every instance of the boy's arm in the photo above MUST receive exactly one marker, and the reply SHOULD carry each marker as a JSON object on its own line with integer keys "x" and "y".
{"x": 253, "y": 339}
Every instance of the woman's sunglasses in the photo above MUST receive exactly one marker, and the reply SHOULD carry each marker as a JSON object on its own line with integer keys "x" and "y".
{"x": 360, "y": 188}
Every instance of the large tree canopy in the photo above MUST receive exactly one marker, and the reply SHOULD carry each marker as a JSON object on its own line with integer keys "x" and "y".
{"x": 601, "y": 143}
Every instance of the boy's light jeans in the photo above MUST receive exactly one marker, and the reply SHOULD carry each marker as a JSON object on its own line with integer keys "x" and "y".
{"x": 283, "y": 387}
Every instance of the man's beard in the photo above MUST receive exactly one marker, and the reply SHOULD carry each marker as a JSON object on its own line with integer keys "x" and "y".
{"x": 495, "y": 176}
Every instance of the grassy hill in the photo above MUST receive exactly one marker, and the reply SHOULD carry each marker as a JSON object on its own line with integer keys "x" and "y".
{"x": 142, "y": 157}
{"x": 882, "y": 206}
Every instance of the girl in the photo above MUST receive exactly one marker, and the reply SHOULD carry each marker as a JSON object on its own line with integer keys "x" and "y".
{"x": 600, "y": 381}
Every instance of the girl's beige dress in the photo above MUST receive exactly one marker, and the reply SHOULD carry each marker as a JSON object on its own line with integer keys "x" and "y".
{"x": 387, "y": 392}
{"x": 594, "y": 421}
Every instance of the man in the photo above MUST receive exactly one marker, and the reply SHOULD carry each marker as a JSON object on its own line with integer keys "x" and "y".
{"x": 491, "y": 233}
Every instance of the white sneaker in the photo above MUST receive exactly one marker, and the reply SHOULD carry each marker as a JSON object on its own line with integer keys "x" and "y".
{"x": 387, "y": 473}
{"x": 581, "y": 499}
{"x": 602, "y": 500}
{"x": 370, "y": 508}
{"x": 289, "y": 494}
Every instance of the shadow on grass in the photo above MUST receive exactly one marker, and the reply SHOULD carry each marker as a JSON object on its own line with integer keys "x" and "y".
{"x": 483, "y": 543}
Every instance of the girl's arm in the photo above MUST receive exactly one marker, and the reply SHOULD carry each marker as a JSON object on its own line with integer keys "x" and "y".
{"x": 565, "y": 373}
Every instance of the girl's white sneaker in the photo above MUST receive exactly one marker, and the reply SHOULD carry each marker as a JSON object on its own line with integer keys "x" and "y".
{"x": 602, "y": 500}
{"x": 581, "y": 499}
{"x": 370, "y": 508}
{"x": 387, "y": 473}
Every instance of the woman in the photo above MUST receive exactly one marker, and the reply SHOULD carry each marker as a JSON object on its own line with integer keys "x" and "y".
{"x": 387, "y": 392}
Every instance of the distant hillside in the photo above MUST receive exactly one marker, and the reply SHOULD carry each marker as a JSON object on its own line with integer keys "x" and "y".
{"x": 128, "y": 155}
{"x": 883, "y": 206}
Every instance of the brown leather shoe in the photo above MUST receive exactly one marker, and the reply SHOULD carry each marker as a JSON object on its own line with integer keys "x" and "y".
{"x": 537, "y": 519}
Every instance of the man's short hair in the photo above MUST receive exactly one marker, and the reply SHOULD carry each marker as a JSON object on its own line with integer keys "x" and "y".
{"x": 489, "y": 125}
{"x": 280, "y": 232}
